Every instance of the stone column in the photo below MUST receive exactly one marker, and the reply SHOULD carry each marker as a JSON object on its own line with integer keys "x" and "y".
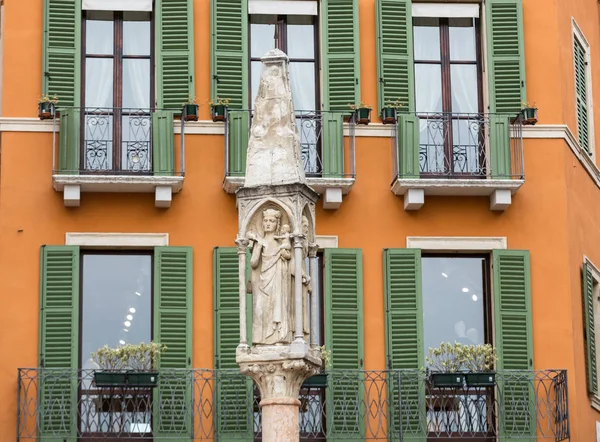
{"x": 298, "y": 311}
{"x": 314, "y": 300}
{"x": 242, "y": 245}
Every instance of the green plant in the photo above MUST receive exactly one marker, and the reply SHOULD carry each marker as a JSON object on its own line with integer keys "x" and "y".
{"x": 137, "y": 357}
{"x": 190, "y": 100}
{"x": 219, "y": 102}
{"x": 444, "y": 358}
{"x": 526, "y": 105}
{"x": 450, "y": 358}
{"x": 48, "y": 99}
{"x": 326, "y": 357}
{"x": 360, "y": 105}
{"x": 479, "y": 357}
{"x": 396, "y": 104}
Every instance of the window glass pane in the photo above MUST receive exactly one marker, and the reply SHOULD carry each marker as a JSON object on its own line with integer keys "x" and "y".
{"x": 136, "y": 34}
{"x": 116, "y": 302}
{"x": 453, "y": 300}
{"x": 262, "y": 34}
{"x": 255, "y": 68}
{"x": 428, "y": 87}
{"x": 135, "y": 149}
{"x": 465, "y": 96}
{"x": 99, "y": 33}
{"x": 302, "y": 81}
{"x": 426, "y": 37}
{"x": 300, "y": 37}
{"x": 136, "y": 83}
{"x": 462, "y": 39}
{"x": 99, "y": 82}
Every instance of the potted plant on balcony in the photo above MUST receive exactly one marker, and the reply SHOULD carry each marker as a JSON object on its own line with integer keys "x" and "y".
{"x": 529, "y": 113}
{"x": 128, "y": 365}
{"x": 479, "y": 361}
{"x": 389, "y": 112}
{"x": 445, "y": 364}
{"x": 361, "y": 113}
{"x": 190, "y": 109}
{"x": 47, "y": 107}
{"x": 218, "y": 108}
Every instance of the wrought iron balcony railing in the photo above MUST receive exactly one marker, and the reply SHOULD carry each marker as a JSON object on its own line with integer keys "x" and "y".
{"x": 325, "y": 151}
{"x": 456, "y": 145}
{"x": 398, "y": 405}
{"x": 113, "y": 141}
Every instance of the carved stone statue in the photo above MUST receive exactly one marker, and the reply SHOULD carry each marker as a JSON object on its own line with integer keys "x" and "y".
{"x": 306, "y": 283}
{"x": 271, "y": 281}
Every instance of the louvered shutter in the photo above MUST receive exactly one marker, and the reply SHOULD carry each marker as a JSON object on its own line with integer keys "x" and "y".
{"x": 404, "y": 343}
{"x": 408, "y": 146}
{"x": 506, "y": 57}
{"x": 581, "y": 95}
{"x": 163, "y": 139}
{"x": 174, "y": 52}
{"x": 333, "y": 145}
{"x": 340, "y": 53}
{"x": 234, "y": 391}
{"x": 513, "y": 340}
{"x": 238, "y": 122}
{"x": 344, "y": 337}
{"x": 500, "y": 146}
{"x": 68, "y": 142}
{"x": 61, "y": 58}
{"x": 395, "y": 52}
{"x": 229, "y": 51}
{"x": 173, "y": 328}
{"x": 59, "y": 342}
{"x": 590, "y": 329}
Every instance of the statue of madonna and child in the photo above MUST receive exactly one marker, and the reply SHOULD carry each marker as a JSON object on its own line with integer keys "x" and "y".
{"x": 272, "y": 281}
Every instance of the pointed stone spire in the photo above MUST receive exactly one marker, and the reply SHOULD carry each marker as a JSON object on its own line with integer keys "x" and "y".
{"x": 274, "y": 156}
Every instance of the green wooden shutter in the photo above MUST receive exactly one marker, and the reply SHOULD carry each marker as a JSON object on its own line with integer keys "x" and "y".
{"x": 404, "y": 343}
{"x": 229, "y": 51}
{"x": 500, "y": 146}
{"x": 344, "y": 337}
{"x": 59, "y": 342}
{"x": 590, "y": 329}
{"x": 395, "y": 53}
{"x": 333, "y": 145}
{"x": 340, "y": 53}
{"x": 513, "y": 340}
{"x": 61, "y": 58}
{"x": 68, "y": 142}
{"x": 581, "y": 94}
{"x": 163, "y": 139}
{"x": 506, "y": 56}
{"x": 408, "y": 145}
{"x": 238, "y": 127}
{"x": 173, "y": 328}
{"x": 234, "y": 392}
{"x": 174, "y": 52}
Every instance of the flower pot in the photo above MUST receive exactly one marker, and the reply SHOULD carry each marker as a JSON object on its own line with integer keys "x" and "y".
{"x": 46, "y": 110}
{"x": 362, "y": 115}
{"x": 453, "y": 380}
{"x": 110, "y": 378}
{"x": 529, "y": 116}
{"x": 483, "y": 379}
{"x": 217, "y": 112}
{"x": 190, "y": 112}
{"x": 142, "y": 379}
{"x": 388, "y": 115}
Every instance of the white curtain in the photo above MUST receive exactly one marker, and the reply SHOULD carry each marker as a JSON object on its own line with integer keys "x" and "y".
{"x": 117, "y": 5}
{"x": 283, "y": 7}
{"x": 99, "y": 83}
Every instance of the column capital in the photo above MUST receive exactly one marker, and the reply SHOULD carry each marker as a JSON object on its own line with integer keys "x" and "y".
{"x": 312, "y": 250}
{"x": 298, "y": 239}
{"x": 242, "y": 244}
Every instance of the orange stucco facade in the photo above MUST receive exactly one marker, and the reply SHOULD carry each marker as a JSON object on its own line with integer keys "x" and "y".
{"x": 555, "y": 215}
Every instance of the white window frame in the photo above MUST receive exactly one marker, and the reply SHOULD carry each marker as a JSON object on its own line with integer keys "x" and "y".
{"x": 577, "y": 33}
{"x": 595, "y": 400}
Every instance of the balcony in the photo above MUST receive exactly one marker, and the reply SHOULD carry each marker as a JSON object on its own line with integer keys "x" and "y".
{"x": 328, "y": 156}
{"x": 57, "y": 404}
{"x": 117, "y": 150}
{"x": 457, "y": 154}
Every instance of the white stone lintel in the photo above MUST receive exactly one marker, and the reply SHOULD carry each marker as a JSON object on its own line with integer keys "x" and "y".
{"x": 414, "y": 199}
{"x": 456, "y": 243}
{"x": 116, "y": 240}
{"x": 500, "y": 199}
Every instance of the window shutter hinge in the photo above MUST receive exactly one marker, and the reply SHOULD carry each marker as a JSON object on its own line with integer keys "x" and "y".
{"x": 381, "y": 80}
{"x": 360, "y": 361}
{"x": 41, "y": 361}
{"x": 46, "y": 74}
{"x": 522, "y": 83}
{"x": 191, "y": 79}
{"x": 189, "y": 361}
{"x": 356, "y": 81}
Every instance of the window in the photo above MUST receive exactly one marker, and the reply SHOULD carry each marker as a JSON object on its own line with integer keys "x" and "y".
{"x": 583, "y": 90}
{"x": 118, "y": 90}
{"x": 297, "y": 36}
{"x": 448, "y": 85}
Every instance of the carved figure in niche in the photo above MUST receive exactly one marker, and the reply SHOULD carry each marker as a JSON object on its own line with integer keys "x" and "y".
{"x": 271, "y": 282}
{"x": 286, "y": 244}
{"x": 306, "y": 283}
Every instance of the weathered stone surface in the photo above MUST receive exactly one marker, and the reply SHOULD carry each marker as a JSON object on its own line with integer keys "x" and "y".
{"x": 274, "y": 147}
